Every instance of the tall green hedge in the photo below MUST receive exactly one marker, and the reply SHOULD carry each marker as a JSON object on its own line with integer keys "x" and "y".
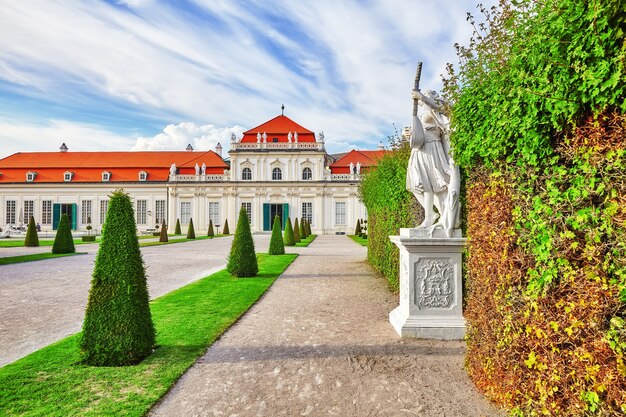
{"x": 191, "y": 232}
{"x": 177, "y": 230}
{"x": 539, "y": 117}
{"x": 242, "y": 260}
{"x": 288, "y": 238}
{"x": 277, "y": 247}
{"x": 226, "y": 230}
{"x": 31, "y": 234}
{"x": 163, "y": 233}
{"x": 210, "y": 232}
{"x": 118, "y": 329}
{"x": 302, "y": 231}
{"x": 63, "y": 241}
{"x": 390, "y": 207}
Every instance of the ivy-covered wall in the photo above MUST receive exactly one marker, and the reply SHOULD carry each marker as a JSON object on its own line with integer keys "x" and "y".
{"x": 540, "y": 128}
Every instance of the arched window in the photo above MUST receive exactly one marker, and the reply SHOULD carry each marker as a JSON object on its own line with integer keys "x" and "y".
{"x": 277, "y": 174}
{"x": 246, "y": 174}
{"x": 307, "y": 174}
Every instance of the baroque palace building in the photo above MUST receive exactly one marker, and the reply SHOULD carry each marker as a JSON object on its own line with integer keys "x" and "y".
{"x": 277, "y": 168}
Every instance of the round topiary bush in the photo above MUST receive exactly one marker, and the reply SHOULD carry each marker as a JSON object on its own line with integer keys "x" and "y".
{"x": 177, "y": 228}
{"x": 163, "y": 234}
{"x": 226, "y": 230}
{"x": 118, "y": 328}
{"x": 288, "y": 238}
{"x": 210, "y": 232}
{"x": 191, "y": 233}
{"x": 242, "y": 259}
{"x": 32, "y": 239}
{"x": 277, "y": 247}
{"x": 296, "y": 231}
{"x": 63, "y": 241}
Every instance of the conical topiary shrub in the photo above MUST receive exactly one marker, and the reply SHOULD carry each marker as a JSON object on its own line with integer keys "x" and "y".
{"x": 226, "y": 230}
{"x": 177, "y": 228}
{"x": 296, "y": 231}
{"x": 210, "y": 232}
{"x": 191, "y": 233}
{"x": 357, "y": 229}
{"x": 288, "y": 238}
{"x": 242, "y": 259}
{"x": 277, "y": 247}
{"x": 31, "y": 234}
{"x": 308, "y": 228}
{"x": 63, "y": 241}
{"x": 118, "y": 328}
{"x": 163, "y": 236}
{"x": 302, "y": 231}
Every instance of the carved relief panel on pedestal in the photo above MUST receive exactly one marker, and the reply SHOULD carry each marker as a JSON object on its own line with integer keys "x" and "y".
{"x": 434, "y": 283}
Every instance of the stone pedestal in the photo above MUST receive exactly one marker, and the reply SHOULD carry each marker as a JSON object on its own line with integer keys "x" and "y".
{"x": 431, "y": 288}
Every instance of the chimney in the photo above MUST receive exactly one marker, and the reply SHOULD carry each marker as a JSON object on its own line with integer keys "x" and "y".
{"x": 381, "y": 147}
{"x": 63, "y": 147}
{"x": 218, "y": 149}
{"x": 189, "y": 148}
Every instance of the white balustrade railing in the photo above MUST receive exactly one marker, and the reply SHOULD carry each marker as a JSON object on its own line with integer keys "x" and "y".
{"x": 277, "y": 145}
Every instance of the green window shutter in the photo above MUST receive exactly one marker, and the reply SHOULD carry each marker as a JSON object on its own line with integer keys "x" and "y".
{"x": 285, "y": 214}
{"x": 266, "y": 216}
{"x": 56, "y": 215}
{"x": 74, "y": 215}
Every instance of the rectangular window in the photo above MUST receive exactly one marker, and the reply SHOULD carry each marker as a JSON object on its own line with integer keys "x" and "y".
{"x": 185, "y": 212}
{"x": 142, "y": 208}
{"x": 307, "y": 212}
{"x": 85, "y": 213}
{"x": 159, "y": 211}
{"x": 248, "y": 207}
{"x": 29, "y": 210}
{"x": 214, "y": 212}
{"x": 340, "y": 213}
{"x": 46, "y": 212}
{"x": 104, "y": 206}
{"x": 10, "y": 212}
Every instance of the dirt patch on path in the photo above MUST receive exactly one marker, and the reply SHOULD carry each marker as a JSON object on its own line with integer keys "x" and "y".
{"x": 319, "y": 344}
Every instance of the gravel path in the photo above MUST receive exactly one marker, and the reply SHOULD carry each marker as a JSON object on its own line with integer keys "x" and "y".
{"x": 45, "y": 301}
{"x": 319, "y": 344}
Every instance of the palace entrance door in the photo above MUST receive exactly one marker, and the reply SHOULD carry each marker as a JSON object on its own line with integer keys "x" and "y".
{"x": 271, "y": 210}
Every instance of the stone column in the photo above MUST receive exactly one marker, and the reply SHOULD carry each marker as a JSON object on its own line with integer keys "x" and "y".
{"x": 431, "y": 287}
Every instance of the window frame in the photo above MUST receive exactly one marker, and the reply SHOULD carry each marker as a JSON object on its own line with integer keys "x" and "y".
{"x": 159, "y": 212}
{"x": 10, "y": 213}
{"x": 246, "y": 172}
{"x": 104, "y": 207}
{"x": 85, "y": 211}
{"x": 277, "y": 174}
{"x": 213, "y": 212}
{"x": 307, "y": 211}
{"x": 309, "y": 172}
{"x": 248, "y": 206}
{"x": 185, "y": 215}
{"x": 46, "y": 212}
{"x": 339, "y": 213}
{"x": 29, "y": 210}
{"x": 141, "y": 212}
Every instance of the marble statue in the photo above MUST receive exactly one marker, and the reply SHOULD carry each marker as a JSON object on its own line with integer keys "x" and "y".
{"x": 203, "y": 169}
{"x": 197, "y": 168}
{"x": 233, "y": 137}
{"x": 295, "y": 137}
{"x": 358, "y": 167}
{"x": 258, "y": 137}
{"x": 321, "y": 135}
{"x": 289, "y": 136}
{"x": 264, "y": 137}
{"x": 432, "y": 175}
{"x": 351, "y": 168}
{"x": 173, "y": 169}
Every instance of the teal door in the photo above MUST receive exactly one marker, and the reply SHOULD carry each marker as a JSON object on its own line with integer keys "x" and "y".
{"x": 59, "y": 209}
{"x": 272, "y": 210}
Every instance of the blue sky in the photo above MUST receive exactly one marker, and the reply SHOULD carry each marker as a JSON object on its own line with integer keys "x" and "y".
{"x": 149, "y": 74}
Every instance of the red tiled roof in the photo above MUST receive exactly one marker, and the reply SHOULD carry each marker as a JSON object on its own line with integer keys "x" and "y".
{"x": 278, "y": 127}
{"x": 88, "y": 166}
{"x": 366, "y": 158}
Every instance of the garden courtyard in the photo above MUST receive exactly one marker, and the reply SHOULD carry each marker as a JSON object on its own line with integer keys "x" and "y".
{"x": 317, "y": 343}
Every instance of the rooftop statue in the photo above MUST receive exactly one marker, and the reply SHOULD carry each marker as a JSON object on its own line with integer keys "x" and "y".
{"x": 289, "y": 136}
{"x": 173, "y": 169}
{"x": 432, "y": 175}
{"x": 258, "y": 137}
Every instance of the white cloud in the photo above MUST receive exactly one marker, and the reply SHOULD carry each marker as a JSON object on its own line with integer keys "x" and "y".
{"x": 48, "y": 136}
{"x": 177, "y": 137}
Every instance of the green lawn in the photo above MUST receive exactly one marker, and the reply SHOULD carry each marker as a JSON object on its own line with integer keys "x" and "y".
{"x": 358, "y": 239}
{"x": 307, "y": 241}
{"x": 49, "y": 382}
{"x": 35, "y": 257}
{"x": 42, "y": 242}
{"x": 178, "y": 240}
